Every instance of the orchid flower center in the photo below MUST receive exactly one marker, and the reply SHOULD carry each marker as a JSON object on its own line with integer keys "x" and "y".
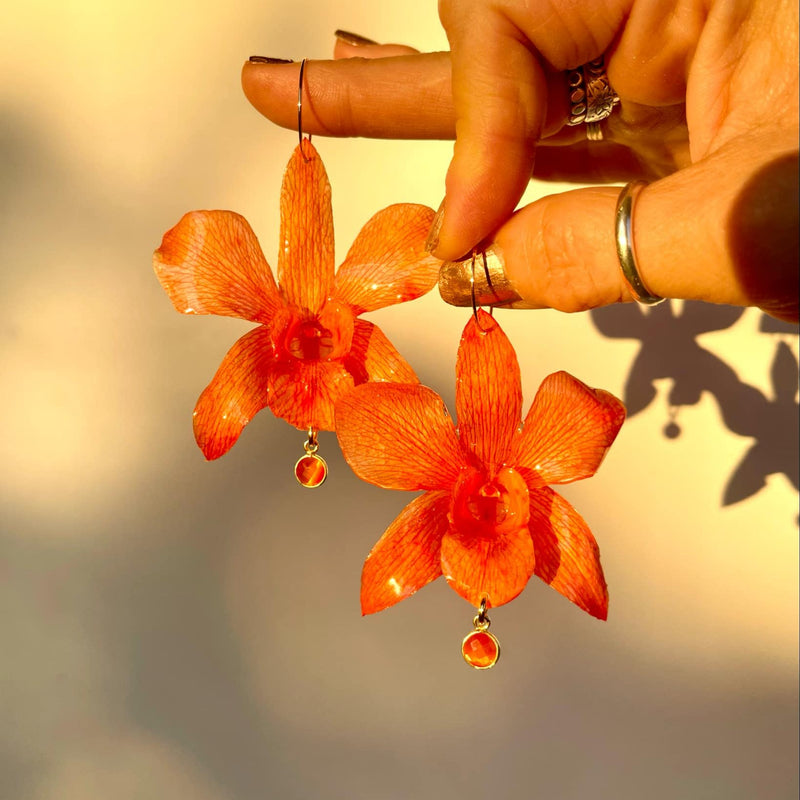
{"x": 301, "y": 336}
{"x": 489, "y": 504}
{"x": 309, "y": 341}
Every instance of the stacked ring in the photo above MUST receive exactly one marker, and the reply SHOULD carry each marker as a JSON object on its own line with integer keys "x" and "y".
{"x": 623, "y": 230}
{"x": 590, "y": 94}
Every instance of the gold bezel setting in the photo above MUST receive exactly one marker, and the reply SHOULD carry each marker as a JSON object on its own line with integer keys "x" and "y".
{"x": 318, "y": 459}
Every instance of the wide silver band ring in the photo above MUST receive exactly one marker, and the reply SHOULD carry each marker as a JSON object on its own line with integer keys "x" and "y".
{"x": 591, "y": 97}
{"x": 623, "y": 236}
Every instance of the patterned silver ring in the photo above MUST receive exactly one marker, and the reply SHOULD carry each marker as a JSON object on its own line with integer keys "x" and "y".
{"x": 623, "y": 230}
{"x": 591, "y": 97}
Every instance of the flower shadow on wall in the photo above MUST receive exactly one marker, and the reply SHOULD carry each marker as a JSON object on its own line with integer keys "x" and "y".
{"x": 669, "y": 350}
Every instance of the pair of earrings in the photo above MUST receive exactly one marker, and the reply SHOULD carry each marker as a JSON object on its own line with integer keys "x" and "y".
{"x": 488, "y": 519}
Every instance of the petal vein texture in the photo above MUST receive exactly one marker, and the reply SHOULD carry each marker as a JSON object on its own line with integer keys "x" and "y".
{"x": 567, "y": 555}
{"x": 488, "y": 391}
{"x": 387, "y": 263}
{"x": 306, "y": 255}
{"x": 497, "y": 568}
{"x": 236, "y": 393}
{"x": 398, "y": 436}
{"x": 211, "y": 263}
{"x": 567, "y": 432}
{"x": 406, "y": 557}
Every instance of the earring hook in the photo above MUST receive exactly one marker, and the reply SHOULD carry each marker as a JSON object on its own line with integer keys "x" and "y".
{"x": 300, "y": 110}
{"x": 472, "y": 289}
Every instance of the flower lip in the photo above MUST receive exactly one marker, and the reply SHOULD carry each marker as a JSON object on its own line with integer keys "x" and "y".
{"x": 487, "y": 504}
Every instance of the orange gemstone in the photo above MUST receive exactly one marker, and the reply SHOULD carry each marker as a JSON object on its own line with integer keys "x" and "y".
{"x": 311, "y": 471}
{"x": 480, "y": 649}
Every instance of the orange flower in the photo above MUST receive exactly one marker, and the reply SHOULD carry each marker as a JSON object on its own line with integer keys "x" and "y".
{"x": 310, "y": 347}
{"x": 488, "y": 519}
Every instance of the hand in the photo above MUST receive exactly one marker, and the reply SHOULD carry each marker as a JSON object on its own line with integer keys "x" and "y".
{"x": 708, "y": 111}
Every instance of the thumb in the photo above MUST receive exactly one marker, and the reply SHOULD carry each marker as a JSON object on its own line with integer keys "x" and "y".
{"x": 704, "y": 233}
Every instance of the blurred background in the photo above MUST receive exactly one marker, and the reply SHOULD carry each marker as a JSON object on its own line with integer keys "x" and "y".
{"x": 172, "y": 628}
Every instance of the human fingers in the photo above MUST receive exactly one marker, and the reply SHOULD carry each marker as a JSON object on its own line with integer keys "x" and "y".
{"x": 722, "y": 231}
{"x": 498, "y": 49}
{"x": 500, "y": 99}
{"x": 634, "y": 142}
{"x": 365, "y": 93}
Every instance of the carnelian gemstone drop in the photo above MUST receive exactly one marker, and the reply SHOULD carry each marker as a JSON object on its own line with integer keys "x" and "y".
{"x": 480, "y": 649}
{"x": 311, "y": 471}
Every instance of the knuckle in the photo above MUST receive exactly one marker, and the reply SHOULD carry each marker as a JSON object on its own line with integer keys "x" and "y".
{"x": 567, "y": 282}
{"x": 338, "y": 118}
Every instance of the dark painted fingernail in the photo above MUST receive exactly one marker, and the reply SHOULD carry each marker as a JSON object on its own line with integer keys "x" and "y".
{"x": 353, "y": 38}
{"x": 268, "y": 60}
{"x": 432, "y": 242}
{"x": 485, "y": 276}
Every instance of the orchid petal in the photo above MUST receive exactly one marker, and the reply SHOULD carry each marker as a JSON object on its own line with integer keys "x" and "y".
{"x": 488, "y": 390}
{"x": 398, "y": 436}
{"x": 236, "y": 393}
{"x": 304, "y": 392}
{"x": 372, "y": 357}
{"x": 567, "y": 556}
{"x": 306, "y": 256}
{"x": 406, "y": 557}
{"x": 387, "y": 263}
{"x": 567, "y": 432}
{"x": 211, "y": 263}
{"x": 492, "y": 567}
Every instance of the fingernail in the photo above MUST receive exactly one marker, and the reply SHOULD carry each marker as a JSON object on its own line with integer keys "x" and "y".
{"x": 353, "y": 38}
{"x": 486, "y": 271}
{"x": 268, "y": 60}
{"x": 432, "y": 242}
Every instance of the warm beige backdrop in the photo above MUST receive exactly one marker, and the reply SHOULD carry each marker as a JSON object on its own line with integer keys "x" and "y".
{"x": 176, "y": 629}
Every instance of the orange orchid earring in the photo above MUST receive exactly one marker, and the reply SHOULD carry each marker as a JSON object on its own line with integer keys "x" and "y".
{"x": 488, "y": 519}
{"x": 310, "y": 347}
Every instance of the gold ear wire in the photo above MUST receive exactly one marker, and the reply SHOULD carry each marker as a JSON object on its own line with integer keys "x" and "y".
{"x": 300, "y": 109}
{"x": 472, "y": 289}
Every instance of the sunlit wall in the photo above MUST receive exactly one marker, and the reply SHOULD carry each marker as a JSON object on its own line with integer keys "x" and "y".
{"x": 180, "y": 629}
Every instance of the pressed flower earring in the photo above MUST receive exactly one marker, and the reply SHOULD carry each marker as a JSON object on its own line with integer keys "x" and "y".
{"x": 310, "y": 347}
{"x": 488, "y": 518}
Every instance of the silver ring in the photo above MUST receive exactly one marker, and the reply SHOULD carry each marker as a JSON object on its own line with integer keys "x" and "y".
{"x": 594, "y": 133}
{"x": 623, "y": 230}
{"x": 591, "y": 97}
